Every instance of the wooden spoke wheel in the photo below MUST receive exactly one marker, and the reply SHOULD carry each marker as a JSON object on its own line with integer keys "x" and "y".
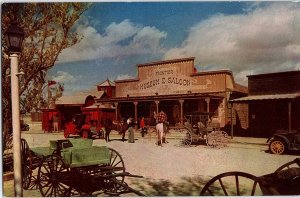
{"x": 188, "y": 138}
{"x": 211, "y": 140}
{"x": 217, "y": 139}
{"x": 232, "y": 184}
{"x": 292, "y": 164}
{"x": 26, "y": 168}
{"x": 52, "y": 179}
{"x": 277, "y": 146}
{"x": 112, "y": 186}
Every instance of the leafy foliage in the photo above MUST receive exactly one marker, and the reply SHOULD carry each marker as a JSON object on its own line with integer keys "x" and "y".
{"x": 48, "y": 31}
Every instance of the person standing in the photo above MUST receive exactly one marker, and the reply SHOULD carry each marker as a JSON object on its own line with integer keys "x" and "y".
{"x": 161, "y": 117}
{"x": 107, "y": 129}
{"x": 130, "y": 130}
{"x": 142, "y": 126}
{"x": 55, "y": 123}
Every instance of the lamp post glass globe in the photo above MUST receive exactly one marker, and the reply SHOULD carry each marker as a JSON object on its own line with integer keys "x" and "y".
{"x": 14, "y": 36}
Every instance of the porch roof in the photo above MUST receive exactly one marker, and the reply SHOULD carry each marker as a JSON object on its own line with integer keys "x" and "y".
{"x": 266, "y": 97}
{"x": 99, "y": 106}
{"x": 213, "y": 95}
{"x": 78, "y": 98}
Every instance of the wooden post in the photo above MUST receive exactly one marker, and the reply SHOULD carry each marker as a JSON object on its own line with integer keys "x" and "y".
{"x": 290, "y": 115}
{"x": 98, "y": 116}
{"x": 231, "y": 129}
{"x": 181, "y": 111}
{"x": 207, "y": 100}
{"x": 135, "y": 110}
{"x": 116, "y": 112}
{"x": 156, "y": 102}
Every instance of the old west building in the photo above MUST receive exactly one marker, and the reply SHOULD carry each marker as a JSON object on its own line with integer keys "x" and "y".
{"x": 274, "y": 103}
{"x": 175, "y": 87}
{"x": 68, "y": 106}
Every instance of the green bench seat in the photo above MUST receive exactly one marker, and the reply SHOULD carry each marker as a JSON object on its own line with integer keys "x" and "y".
{"x": 79, "y": 157}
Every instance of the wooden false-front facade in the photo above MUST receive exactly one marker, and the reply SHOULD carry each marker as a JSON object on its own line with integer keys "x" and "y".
{"x": 175, "y": 87}
{"x": 274, "y": 103}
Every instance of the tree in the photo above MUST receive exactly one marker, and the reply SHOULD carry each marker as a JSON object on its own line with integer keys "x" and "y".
{"x": 48, "y": 31}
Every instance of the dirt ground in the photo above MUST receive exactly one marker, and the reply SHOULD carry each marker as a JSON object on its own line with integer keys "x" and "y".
{"x": 174, "y": 170}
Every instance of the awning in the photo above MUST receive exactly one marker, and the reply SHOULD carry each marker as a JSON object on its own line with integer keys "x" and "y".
{"x": 100, "y": 106}
{"x": 266, "y": 97}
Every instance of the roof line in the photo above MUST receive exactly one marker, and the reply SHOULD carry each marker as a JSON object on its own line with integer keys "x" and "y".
{"x": 166, "y": 61}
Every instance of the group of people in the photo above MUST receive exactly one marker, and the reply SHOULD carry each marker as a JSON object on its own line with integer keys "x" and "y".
{"x": 161, "y": 128}
{"x": 105, "y": 127}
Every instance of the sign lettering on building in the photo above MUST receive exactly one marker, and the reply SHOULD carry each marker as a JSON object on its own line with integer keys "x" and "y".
{"x": 164, "y": 79}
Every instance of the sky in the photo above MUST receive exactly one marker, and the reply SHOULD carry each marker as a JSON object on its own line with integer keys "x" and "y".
{"x": 247, "y": 38}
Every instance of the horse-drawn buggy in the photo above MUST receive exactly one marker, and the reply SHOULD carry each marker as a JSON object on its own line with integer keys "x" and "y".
{"x": 80, "y": 127}
{"x": 284, "y": 181}
{"x": 199, "y": 126}
{"x": 73, "y": 167}
{"x": 95, "y": 129}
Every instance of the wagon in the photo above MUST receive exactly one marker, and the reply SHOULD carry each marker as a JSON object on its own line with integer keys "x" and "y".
{"x": 73, "y": 167}
{"x": 284, "y": 181}
{"x": 79, "y": 127}
{"x": 199, "y": 127}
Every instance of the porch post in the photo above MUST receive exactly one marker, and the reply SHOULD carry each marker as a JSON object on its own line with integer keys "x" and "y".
{"x": 181, "y": 111}
{"x": 116, "y": 112}
{"x": 231, "y": 129}
{"x": 156, "y": 102}
{"x": 135, "y": 110}
{"x": 290, "y": 115}
{"x": 207, "y": 100}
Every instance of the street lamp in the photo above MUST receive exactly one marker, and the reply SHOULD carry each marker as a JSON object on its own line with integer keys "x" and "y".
{"x": 15, "y": 36}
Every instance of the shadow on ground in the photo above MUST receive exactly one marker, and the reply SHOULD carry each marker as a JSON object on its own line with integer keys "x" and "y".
{"x": 191, "y": 186}
{"x": 187, "y": 186}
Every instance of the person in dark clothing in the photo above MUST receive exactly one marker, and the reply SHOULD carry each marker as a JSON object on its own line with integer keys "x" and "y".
{"x": 130, "y": 130}
{"x": 108, "y": 125}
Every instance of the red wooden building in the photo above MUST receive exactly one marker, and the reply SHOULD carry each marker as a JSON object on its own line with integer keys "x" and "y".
{"x": 67, "y": 107}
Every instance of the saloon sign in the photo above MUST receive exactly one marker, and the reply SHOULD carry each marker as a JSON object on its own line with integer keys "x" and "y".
{"x": 165, "y": 80}
{"x": 166, "y": 77}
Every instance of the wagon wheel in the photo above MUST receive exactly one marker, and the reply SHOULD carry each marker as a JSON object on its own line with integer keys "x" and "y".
{"x": 188, "y": 138}
{"x": 211, "y": 140}
{"x": 277, "y": 146}
{"x": 52, "y": 179}
{"x": 217, "y": 139}
{"x": 116, "y": 162}
{"x": 232, "y": 184}
{"x": 288, "y": 165}
{"x": 26, "y": 168}
{"x": 224, "y": 138}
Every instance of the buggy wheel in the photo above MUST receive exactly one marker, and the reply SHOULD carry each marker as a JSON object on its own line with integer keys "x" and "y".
{"x": 292, "y": 164}
{"x": 188, "y": 139}
{"x": 277, "y": 146}
{"x": 211, "y": 140}
{"x": 26, "y": 169}
{"x": 217, "y": 139}
{"x": 113, "y": 186}
{"x": 232, "y": 184}
{"x": 52, "y": 179}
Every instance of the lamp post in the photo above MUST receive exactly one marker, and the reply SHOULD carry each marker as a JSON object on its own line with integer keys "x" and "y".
{"x": 15, "y": 36}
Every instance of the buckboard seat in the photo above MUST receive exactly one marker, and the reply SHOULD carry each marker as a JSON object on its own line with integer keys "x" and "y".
{"x": 78, "y": 152}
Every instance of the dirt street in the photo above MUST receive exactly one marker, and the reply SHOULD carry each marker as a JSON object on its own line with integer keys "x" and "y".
{"x": 173, "y": 170}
